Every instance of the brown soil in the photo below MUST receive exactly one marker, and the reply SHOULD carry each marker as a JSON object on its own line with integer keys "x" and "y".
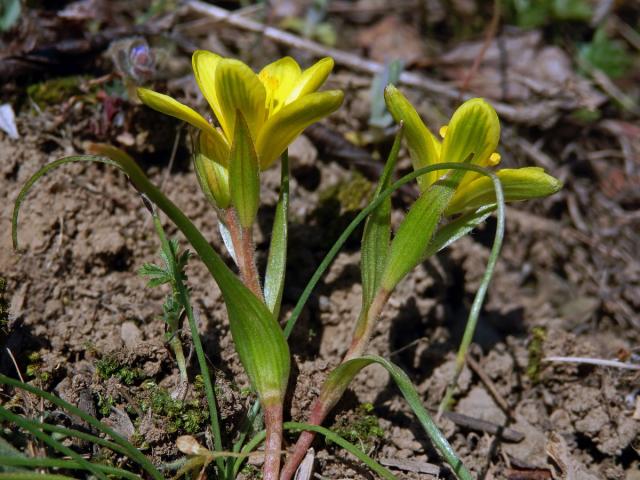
{"x": 568, "y": 281}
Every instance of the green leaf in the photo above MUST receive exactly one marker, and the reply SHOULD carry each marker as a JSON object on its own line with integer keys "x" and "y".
{"x": 51, "y": 442}
{"x": 244, "y": 174}
{"x": 610, "y": 56}
{"x": 9, "y": 14}
{"x": 417, "y": 228}
{"x": 122, "y": 444}
{"x": 572, "y": 10}
{"x": 377, "y": 231}
{"x": 260, "y": 342}
{"x": 344, "y": 373}
{"x": 456, "y": 229}
{"x": 9, "y": 451}
{"x": 277, "y": 263}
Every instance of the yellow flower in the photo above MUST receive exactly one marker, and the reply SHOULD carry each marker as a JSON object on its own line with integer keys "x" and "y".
{"x": 474, "y": 129}
{"x": 277, "y": 105}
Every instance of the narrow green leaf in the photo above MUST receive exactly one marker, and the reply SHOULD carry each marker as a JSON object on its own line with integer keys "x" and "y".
{"x": 456, "y": 229}
{"x": 244, "y": 173}
{"x": 176, "y": 267}
{"x": 377, "y": 231}
{"x": 260, "y": 342}
{"x": 65, "y": 464}
{"x": 51, "y": 442}
{"x": 132, "y": 452}
{"x": 417, "y": 228}
{"x": 362, "y": 215}
{"x": 277, "y": 262}
{"x": 9, "y": 451}
{"x": 33, "y": 476}
{"x": 342, "y": 375}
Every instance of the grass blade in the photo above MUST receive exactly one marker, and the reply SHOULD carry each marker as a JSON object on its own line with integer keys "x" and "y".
{"x": 65, "y": 464}
{"x": 377, "y": 231}
{"x": 326, "y": 262}
{"x": 132, "y": 452}
{"x": 183, "y": 294}
{"x": 25, "y": 425}
{"x": 345, "y": 372}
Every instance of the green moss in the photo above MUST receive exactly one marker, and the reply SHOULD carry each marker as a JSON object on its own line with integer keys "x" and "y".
{"x": 105, "y": 403}
{"x": 34, "y": 368}
{"x": 538, "y": 336}
{"x": 352, "y": 194}
{"x": 56, "y": 90}
{"x": 109, "y": 366}
{"x": 360, "y": 427}
{"x": 187, "y": 416}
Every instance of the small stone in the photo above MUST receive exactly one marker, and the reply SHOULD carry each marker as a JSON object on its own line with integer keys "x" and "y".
{"x": 130, "y": 335}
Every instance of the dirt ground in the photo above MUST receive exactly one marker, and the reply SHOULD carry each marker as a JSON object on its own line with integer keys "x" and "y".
{"x": 567, "y": 282}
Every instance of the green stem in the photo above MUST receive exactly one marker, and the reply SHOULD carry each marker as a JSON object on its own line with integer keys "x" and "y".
{"x": 478, "y": 300}
{"x": 183, "y": 295}
{"x": 178, "y": 351}
{"x": 326, "y": 262}
{"x": 325, "y": 402}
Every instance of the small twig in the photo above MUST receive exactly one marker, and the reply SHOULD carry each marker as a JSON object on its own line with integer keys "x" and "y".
{"x": 411, "y": 465}
{"x": 489, "y": 36}
{"x": 172, "y": 158}
{"x": 478, "y": 370}
{"x": 355, "y": 62}
{"x": 593, "y": 361}
{"x": 477, "y": 424}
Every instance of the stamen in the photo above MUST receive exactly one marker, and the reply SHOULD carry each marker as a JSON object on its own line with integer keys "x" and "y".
{"x": 443, "y": 130}
{"x": 494, "y": 159}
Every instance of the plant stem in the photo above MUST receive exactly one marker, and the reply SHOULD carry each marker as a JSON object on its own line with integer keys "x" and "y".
{"x": 178, "y": 351}
{"x": 328, "y": 398}
{"x": 244, "y": 248}
{"x": 365, "y": 325}
{"x": 273, "y": 441}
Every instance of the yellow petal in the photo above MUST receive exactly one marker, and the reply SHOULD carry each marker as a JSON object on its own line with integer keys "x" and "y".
{"x": 213, "y": 176}
{"x": 170, "y": 106}
{"x": 473, "y": 129}
{"x": 238, "y": 88}
{"x": 281, "y": 129}
{"x": 423, "y": 146}
{"x": 311, "y": 79}
{"x": 279, "y": 79}
{"x": 204, "y": 68}
{"x": 517, "y": 184}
